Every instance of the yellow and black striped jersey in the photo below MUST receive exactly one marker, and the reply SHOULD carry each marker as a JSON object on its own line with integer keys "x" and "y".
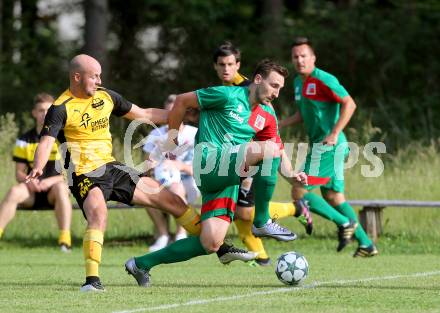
{"x": 83, "y": 125}
{"x": 239, "y": 80}
{"x": 24, "y": 151}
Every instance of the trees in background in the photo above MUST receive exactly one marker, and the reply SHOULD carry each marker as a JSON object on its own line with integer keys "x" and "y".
{"x": 95, "y": 31}
{"x": 385, "y": 52}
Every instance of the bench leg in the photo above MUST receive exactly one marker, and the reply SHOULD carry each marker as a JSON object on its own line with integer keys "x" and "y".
{"x": 371, "y": 220}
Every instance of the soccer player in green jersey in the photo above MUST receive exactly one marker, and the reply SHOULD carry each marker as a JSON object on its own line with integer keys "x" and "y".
{"x": 227, "y": 60}
{"x": 223, "y": 154}
{"x": 325, "y": 108}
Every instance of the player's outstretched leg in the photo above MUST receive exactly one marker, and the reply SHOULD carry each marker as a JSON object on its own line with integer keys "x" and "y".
{"x": 178, "y": 251}
{"x": 264, "y": 186}
{"x": 228, "y": 253}
{"x": 185, "y": 215}
{"x": 142, "y": 276}
{"x": 190, "y": 220}
{"x": 213, "y": 232}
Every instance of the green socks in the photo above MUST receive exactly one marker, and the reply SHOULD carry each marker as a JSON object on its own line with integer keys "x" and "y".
{"x": 321, "y": 207}
{"x": 264, "y": 185}
{"x": 360, "y": 234}
{"x": 178, "y": 251}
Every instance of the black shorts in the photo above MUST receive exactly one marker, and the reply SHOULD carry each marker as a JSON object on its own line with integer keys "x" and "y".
{"x": 41, "y": 201}
{"x": 245, "y": 197}
{"x": 115, "y": 183}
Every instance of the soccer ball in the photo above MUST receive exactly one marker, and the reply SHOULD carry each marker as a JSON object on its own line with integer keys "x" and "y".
{"x": 166, "y": 175}
{"x": 291, "y": 268}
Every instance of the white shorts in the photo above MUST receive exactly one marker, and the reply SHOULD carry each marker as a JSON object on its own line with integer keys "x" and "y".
{"x": 192, "y": 192}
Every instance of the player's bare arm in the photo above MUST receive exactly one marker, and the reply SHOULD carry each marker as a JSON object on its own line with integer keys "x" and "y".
{"x": 47, "y": 183}
{"x": 21, "y": 170}
{"x": 348, "y": 106}
{"x": 183, "y": 102}
{"x": 291, "y": 120}
{"x": 41, "y": 156}
{"x": 286, "y": 170}
{"x": 151, "y": 115}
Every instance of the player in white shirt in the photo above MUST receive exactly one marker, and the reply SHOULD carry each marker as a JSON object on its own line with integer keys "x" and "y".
{"x": 176, "y": 175}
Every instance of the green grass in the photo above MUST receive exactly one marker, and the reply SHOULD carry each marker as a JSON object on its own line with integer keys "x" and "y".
{"x": 35, "y": 276}
{"x": 42, "y": 279}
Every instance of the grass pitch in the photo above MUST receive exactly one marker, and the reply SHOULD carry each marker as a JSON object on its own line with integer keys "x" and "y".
{"x": 36, "y": 277}
{"x": 39, "y": 278}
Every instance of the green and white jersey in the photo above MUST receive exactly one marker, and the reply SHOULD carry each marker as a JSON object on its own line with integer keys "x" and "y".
{"x": 318, "y": 99}
{"x": 224, "y": 116}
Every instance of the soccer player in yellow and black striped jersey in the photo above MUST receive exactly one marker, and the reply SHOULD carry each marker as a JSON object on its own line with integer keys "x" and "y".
{"x": 49, "y": 191}
{"x": 80, "y": 119}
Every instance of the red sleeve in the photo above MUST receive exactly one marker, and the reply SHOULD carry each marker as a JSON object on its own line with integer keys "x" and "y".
{"x": 265, "y": 126}
{"x": 317, "y": 90}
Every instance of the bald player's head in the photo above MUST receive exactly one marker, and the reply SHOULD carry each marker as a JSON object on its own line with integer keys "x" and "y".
{"x": 85, "y": 75}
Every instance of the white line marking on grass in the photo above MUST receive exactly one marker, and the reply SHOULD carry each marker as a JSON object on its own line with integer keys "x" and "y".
{"x": 278, "y": 290}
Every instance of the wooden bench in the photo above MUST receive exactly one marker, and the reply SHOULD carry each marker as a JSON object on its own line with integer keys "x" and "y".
{"x": 370, "y": 216}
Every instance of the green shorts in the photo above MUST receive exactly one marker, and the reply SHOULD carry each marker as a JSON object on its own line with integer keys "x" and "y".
{"x": 216, "y": 172}
{"x": 327, "y": 161}
{"x": 220, "y": 204}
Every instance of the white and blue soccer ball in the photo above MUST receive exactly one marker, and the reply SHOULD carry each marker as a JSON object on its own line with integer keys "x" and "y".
{"x": 166, "y": 175}
{"x": 292, "y": 268}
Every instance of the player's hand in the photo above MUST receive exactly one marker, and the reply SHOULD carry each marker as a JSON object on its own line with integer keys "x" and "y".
{"x": 33, "y": 185}
{"x": 151, "y": 163}
{"x": 301, "y": 177}
{"x": 331, "y": 139}
{"x": 44, "y": 185}
{"x": 169, "y": 146}
{"x": 34, "y": 174}
{"x": 32, "y": 181}
{"x": 171, "y": 142}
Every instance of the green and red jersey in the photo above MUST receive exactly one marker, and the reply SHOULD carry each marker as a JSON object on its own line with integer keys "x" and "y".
{"x": 318, "y": 99}
{"x": 224, "y": 116}
{"x": 265, "y": 123}
{"x": 227, "y": 121}
{"x": 227, "y": 117}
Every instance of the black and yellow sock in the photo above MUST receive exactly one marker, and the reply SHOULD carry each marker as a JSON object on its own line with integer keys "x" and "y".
{"x": 92, "y": 249}
{"x": 281, "y": 209}
{"x": 178, "y": 251}
{"x": 264, "y": 186}
{"x": 252, "y": 243}
{"x": 64, "y": 237}
{"x": 190, "y": 220}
